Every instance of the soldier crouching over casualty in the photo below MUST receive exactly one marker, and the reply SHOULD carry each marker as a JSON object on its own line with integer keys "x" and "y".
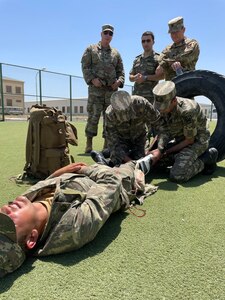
{"x": 126, "y": 121}
{"x": 66, "y": 210}
{"x": 183, "y": 137}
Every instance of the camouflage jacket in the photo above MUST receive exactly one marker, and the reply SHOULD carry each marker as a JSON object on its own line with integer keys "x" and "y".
{"x": 140, "y": 113}
{"x": 186, "y": 120}
{"x": 186, "y": 53}
{"x": 145, "y": 66}
{"x": 82, "y": 204}
{"x": 103, "y": 63}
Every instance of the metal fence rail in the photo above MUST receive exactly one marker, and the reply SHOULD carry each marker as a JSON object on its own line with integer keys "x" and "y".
{"x": 41, "y": 85}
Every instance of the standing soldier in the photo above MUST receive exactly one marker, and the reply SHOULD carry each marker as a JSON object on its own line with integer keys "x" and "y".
{"x": 103, "y": 72}
{"x": 144, "y": 67}
{"x": 181, "y": 55}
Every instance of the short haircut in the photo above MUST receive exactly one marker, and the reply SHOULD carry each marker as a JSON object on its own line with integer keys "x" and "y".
{"x": 149, "y": 33}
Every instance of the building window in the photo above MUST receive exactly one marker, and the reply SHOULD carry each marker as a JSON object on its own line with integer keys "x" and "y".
{"x": 18, "y": 101}
{"x": 8, "y": 102}
{"x": 68, "y": 109}
{"x": 75, "y": 109}
{"x": 18, "y": 90}
{"x": 63, "y": 109}
{"x": 8, "y": 89}
{"x": 81, "y": 109}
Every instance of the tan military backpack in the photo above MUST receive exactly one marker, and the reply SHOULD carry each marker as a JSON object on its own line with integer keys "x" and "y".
{"x": 48, "y": 136}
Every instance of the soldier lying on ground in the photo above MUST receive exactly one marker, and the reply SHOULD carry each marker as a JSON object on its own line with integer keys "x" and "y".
{"x": 65, "y": 211}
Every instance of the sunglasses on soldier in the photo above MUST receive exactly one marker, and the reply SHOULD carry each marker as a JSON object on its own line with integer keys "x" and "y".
{"x": 108, "y": 32}
{"x": 146, "y": 41}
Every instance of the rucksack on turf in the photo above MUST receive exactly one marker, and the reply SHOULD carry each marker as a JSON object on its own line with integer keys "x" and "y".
{"x": 48, "y": 136}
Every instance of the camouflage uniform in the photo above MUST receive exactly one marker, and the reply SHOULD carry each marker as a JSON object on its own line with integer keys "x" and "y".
{"x": 81, "y": 205}
{"x": 186, "y": 120}
{"x": 186, "y": 52}
{"x": 145, "y": 66}
{"x": 126, "y": 126}
{"x": 105, "y": 64}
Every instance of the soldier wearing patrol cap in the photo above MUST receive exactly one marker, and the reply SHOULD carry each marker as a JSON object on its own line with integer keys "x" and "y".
{"x": 176, "y": 24}
{"x": 11, "y": 254}
{"x": 126, "y": 120}
{"x": 103, "y": 71}
{"x": 182, "y": 55}
{"x": 183, "y": 137}
{"x": 164, "y": 93}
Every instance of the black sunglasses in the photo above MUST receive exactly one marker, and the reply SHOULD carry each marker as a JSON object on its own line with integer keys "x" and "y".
{"x": 108, "y": 32}
{"x": 146, "y": 41}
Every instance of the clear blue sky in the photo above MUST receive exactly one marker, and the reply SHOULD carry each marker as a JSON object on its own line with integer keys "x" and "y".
{"x": 54, "y": 34}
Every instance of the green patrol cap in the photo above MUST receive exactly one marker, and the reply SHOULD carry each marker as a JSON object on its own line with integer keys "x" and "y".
{"x": 11, "y": 254}
{"x": 107, "y": 27}
{"x": 176, "y": 24}
{"x": 164, "y": 92}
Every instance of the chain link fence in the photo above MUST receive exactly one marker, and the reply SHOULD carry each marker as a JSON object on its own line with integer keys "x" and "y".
{"x": 21, "y": 85}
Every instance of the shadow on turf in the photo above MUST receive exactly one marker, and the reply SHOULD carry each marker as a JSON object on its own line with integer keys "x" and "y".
{"x": 83, "y": 154}
{"x": 106, "y": 235}
{"x": 168, "y": 185}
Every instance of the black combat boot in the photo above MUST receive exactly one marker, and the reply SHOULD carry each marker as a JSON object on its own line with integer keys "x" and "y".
{"x": 99, "y": 158}
{"x": 209, "y": 158}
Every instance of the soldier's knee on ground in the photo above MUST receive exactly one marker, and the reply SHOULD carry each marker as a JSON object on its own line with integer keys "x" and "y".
{"x": 179, "y": 178}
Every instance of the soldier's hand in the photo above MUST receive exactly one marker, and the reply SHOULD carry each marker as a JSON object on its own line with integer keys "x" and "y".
{"x": 115, "y": 85}
{"x": 176, "y": 65}
{"x": 138, "y": 78}
{"x": 156, "y": 156}
{"x": 71, "y": 168}
{"x": 96, "y": 82}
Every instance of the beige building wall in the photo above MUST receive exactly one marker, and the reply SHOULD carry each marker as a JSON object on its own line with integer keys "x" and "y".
{"x": 79, "y": 106}
{"x": 13, "y": 93}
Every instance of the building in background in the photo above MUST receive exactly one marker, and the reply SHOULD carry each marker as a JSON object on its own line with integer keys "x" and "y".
{"x": 79, "y": 106}
{"x": 13, "y": 95}
{"x": 209, "y": 110}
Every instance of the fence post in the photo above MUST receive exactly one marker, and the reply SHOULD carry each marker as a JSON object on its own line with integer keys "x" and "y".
{"x": 40, "y": 87}
{"x": 71, "y": 104}
{"x": 2, "y": 93}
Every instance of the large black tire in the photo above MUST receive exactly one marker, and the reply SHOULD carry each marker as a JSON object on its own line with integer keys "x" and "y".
{"x": 211, "y": 85}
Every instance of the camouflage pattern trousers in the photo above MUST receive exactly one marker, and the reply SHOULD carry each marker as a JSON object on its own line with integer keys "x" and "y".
{"x": 185, "y": 164}
{"x": 134, "y": 148}
{"x": 98, "y": 101}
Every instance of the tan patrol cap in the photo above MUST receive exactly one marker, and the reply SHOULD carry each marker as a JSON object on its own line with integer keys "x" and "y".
{"x": 176, "y": 24}
{"x": 120, "y": 100}
{"x": 164, "y": 92}
{"x": 107, "y": 27}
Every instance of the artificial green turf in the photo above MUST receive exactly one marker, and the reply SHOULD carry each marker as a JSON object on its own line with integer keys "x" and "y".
{"x": 177, "y": 251}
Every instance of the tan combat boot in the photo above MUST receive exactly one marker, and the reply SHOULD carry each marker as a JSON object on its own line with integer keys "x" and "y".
{"x": 88, "y": 148}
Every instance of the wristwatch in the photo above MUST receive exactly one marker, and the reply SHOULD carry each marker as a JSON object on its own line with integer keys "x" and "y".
{"x": 145, "y": 78}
